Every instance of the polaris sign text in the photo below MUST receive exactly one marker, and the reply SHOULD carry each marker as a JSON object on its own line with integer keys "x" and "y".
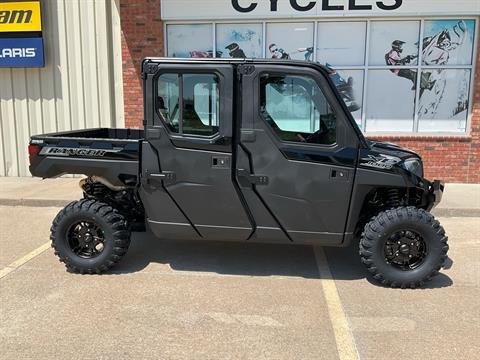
{"x": 21, "y": 52}
{"x": 266, "y": 9}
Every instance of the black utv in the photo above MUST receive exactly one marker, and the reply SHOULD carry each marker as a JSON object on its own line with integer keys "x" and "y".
{"x": 244, "y": 150}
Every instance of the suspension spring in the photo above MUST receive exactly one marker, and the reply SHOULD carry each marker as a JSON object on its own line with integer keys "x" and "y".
{"x": 393, "y": 198}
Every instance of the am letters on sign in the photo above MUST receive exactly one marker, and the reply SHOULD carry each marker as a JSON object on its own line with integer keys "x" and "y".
{"x": 326, "y": 5}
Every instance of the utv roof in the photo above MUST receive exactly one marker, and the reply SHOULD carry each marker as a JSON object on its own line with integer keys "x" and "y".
{"x": 166, "y": 60}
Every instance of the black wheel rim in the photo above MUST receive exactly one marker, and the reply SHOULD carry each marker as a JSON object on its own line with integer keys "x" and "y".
{"x": 405, "y": 250}
{"x": 86, "y": 239}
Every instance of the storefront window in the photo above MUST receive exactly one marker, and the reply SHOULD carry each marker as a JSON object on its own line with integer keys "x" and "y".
{"x": 444, "y": 105}
{"x": 341, "y": 43}
{"x": 240, "y": 40}
{"x": 394, "y": 43}
{"x": 190, "y": 41}
{"x": 395, "y": 76}
{"x": 290, "y": 41}
{"x": 448, "y": 42}
{"x": 391, "y": 100}
{"x": 349, "y": 84}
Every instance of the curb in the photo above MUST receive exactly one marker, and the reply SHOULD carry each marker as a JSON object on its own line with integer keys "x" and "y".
{"x": 34, "y": 202}
{"x": 439, "y": 212}
{"x": 445, "y": 212}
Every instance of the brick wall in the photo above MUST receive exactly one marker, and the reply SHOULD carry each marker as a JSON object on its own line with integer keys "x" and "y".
{"x": 142, "y": 36}
{"x": 454, "y": 159}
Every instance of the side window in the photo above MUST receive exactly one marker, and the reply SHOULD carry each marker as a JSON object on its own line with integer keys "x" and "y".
{"x": 200, "y": 104}
{"x": 168, "y": 100}
{"x": 189, "y": 103}
{"x": 296, "y": 109}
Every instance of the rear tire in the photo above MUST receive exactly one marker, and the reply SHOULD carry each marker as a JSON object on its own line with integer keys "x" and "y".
{"x": 89, "y": 236}
{"x": 403, "y": 247}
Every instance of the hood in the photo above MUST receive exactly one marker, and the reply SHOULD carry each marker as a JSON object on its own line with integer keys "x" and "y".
{"x": 392, "y": 149}
{"x": 390, "y": 157}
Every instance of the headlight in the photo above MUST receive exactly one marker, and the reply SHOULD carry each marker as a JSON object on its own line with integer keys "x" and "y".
{"x": 415, "y": 166}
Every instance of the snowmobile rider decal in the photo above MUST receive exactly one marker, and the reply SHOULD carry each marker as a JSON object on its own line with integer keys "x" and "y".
{"x": 278, "y": 53}
{"x": 394, "y": 58}
{"x": 235, "y": 51}
{"x": 325, "y": 4}
{"x": 436, "y": 49}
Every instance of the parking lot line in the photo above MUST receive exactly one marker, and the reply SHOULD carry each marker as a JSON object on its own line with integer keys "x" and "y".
{"x": 24, "y": 259}
{"x": 347, "y": 350}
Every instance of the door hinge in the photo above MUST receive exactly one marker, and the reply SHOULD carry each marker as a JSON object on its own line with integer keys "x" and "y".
{"x": 246, "y": 69}
{"x": 252, "y": 178}
{"x": 150, "y": 68}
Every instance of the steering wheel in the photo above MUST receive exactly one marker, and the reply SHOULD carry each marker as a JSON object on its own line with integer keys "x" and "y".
{"x": 315, "y": 137}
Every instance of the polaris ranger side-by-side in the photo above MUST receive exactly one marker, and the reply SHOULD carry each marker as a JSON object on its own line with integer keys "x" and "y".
{"x": 244, "y": 150}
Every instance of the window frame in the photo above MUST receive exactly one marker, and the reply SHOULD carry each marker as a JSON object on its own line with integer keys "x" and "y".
{"x": 324, "y": 87}
{"x": 180, "y": 72}
{"x": 298, "y": 73}
{"x": 365, "y": 67}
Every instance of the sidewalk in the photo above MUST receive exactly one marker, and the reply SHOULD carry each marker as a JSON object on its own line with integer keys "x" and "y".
{"x": 458, "y": 199}
{"x": 28, "y": 191}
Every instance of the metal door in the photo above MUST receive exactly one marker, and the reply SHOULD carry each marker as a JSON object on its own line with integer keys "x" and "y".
{"x": 306, "y": 187}
{"x": 191, "y": 136}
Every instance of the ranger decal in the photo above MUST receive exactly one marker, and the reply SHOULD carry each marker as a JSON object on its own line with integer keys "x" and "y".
{"x": 57, "y": 151}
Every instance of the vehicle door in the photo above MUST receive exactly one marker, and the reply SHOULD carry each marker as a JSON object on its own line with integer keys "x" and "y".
{"x": 298, "y": 151}
{"x": 187, "y": 159}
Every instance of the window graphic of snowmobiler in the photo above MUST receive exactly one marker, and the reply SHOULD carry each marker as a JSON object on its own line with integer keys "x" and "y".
{"x": 279, "y": 53}
{"x": 234, "y": 51}
{"x": 436, "y": 50}
{"x": 345, "y": 88}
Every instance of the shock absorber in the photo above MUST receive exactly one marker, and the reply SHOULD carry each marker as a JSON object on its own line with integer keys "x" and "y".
{"x": 393, "y": 198}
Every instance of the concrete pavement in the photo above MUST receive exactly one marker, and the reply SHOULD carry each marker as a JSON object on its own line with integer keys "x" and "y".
{"x": 190, "y": 300}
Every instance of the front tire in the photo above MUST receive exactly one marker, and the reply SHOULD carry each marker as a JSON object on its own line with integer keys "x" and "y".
{"x": 89, "y": 236}
{"x": 403, "y": 247}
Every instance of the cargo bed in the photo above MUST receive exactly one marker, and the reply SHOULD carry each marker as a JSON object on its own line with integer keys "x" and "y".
{"x": 110, "y": 153}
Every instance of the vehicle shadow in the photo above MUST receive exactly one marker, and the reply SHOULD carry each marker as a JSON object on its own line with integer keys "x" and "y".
{"x": 247, "y": 259}
{"x": 230, "y": 258}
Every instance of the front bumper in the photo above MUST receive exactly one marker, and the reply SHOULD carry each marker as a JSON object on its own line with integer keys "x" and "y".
{"x": 435, "y": 195}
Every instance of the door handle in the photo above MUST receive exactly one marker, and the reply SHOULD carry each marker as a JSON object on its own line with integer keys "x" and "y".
{"x": 221, "y": 162}
{"x": 165, "y": 176}
{"x": 339, "y": 174}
